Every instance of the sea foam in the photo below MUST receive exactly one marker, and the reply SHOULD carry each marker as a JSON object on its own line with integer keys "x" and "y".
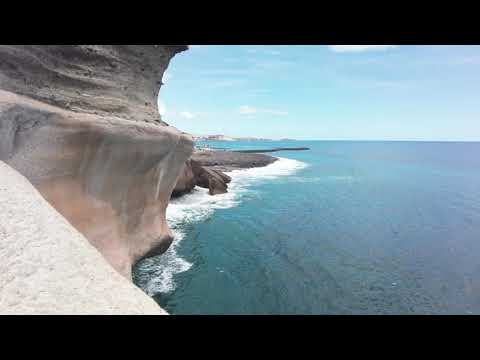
{"x": 155, "y": 275}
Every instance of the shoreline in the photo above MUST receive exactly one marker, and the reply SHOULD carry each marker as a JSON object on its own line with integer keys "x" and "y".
{"x": 209, "y": 169}
{"x": 157, "y": 275}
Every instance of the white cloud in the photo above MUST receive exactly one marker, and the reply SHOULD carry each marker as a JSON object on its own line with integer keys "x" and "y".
{"x": 187, "y": 115}
{"x": 247, "y": 110}
{"x": 466, "y": 60}
{"x": 162, "y": 108}
{"x": 271, "y": 64}
{"x": 360, "y": 48}
{"x": 263, "y": 49}
{"x": 275, "y": 112}
{"x": 274, "y": 52}
{"x": 166, "y": 77}
{"x": 256, "y": 92}
{"x": 226, "y": 83}
{"x": 251, "y": 110}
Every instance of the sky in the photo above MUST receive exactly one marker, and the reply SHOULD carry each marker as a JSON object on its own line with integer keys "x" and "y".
{"x": 326, "y": 92}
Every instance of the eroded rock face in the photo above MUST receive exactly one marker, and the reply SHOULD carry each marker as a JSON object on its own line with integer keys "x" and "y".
{"x": 82, "y": 124}
{"x": 109, "y": 80}
{"x": 186, "y": 180}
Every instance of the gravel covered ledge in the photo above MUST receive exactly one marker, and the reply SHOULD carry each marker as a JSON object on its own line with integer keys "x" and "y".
{"x": 48, "y": 267}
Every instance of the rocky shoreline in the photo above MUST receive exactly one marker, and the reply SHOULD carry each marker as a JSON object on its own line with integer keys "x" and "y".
{"x": 207, "y": 169}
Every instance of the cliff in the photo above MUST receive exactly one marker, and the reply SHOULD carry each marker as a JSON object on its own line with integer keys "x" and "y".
{"x": 81, "y": 124}
{"x": 48, "y": 267}
{"x": 108, "y": 80}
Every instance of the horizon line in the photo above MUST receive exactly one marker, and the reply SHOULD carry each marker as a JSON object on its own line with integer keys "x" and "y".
{"x": 364, "y": 140}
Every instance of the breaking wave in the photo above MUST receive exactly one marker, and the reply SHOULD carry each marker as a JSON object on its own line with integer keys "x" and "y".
{"x": 156, "y": 275}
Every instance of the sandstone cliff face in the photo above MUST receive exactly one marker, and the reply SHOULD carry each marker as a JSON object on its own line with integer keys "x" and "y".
{"x": 82, "y": 124}
{"x": 48, "y": 267}
{"x": 108, "y": 80}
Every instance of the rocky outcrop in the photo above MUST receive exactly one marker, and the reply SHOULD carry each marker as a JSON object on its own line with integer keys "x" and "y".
{"x": 231, "y": 160}
{"x": 206, "y": 169}
{"x": 213, "y": 180}
{"x": 193, "y": 174}
{"x": 48, "y": 267}
{"x": 81, "y": 124}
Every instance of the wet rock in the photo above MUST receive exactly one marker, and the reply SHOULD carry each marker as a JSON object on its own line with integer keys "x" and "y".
{"x": 213, "y": 180}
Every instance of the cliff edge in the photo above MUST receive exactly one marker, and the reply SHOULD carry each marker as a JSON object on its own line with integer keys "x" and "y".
{"x": 81, "y": 124}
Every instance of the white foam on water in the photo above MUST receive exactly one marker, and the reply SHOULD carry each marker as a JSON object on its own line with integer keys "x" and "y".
{"x": 199, "y": 205}
{"x": 158, "y": 272}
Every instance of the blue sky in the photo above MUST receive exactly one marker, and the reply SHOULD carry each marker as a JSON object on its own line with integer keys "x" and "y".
{"x": 331, "y": 92}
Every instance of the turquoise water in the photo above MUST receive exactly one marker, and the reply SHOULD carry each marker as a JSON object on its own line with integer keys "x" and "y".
{"x": 345, "y": 228}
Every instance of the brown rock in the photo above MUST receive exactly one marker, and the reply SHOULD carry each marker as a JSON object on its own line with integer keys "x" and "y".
{"x": 206, "y": 169}
{"x": 185, "y": 182}
{"x": 210, "y": 179}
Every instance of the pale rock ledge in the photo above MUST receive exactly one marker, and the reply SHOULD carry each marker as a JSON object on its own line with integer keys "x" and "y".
{"x": 48, "y": 267}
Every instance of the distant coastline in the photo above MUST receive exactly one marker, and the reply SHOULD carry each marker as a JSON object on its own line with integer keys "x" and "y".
{"x": 233, "y": 138}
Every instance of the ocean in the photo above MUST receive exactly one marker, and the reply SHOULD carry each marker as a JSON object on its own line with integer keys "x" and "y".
{"x": 344, "y": 228}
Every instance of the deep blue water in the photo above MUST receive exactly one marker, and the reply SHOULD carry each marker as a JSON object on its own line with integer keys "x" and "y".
{"x": 364, "y": 228}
